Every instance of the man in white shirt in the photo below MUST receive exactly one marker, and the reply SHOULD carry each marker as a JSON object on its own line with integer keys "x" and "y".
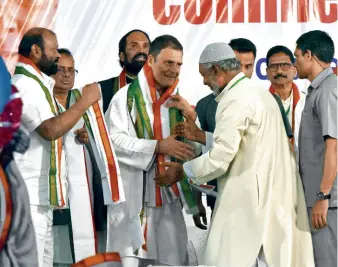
{"x": 41, "y": 165}
{"x": 281, "y": 73}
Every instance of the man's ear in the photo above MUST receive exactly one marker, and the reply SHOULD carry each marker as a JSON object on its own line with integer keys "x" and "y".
{"x": 215, "y": 70}
{"x": 308, "y": 55}
{"x": 151, "y": 60}
{"x": 36, "y": 51}
{"x": 122, "y": 57}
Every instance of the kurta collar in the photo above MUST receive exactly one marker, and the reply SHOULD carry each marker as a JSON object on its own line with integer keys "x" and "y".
{"x": 234, "y": 80}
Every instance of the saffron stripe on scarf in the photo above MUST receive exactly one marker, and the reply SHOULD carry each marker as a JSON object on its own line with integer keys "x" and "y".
{"x": 109, "y": 154}
{"x": 143, "y": 122}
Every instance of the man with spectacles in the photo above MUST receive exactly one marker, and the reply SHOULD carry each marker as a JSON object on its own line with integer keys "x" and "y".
{"x": 318, "y": 142}
{"x": 281, "y": 72}
{"x": 79, "y": 229}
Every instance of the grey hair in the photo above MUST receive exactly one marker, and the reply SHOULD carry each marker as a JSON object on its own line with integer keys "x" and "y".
{"x": 226, "y": 65}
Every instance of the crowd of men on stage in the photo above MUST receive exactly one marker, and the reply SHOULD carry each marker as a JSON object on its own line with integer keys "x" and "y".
{"x": 102, "y": 174}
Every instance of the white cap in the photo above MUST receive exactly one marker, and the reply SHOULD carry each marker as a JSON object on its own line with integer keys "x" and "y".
{"x": 216, "y": 52}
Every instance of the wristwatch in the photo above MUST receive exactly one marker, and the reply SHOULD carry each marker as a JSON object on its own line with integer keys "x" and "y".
{"x": 322, "y": 196}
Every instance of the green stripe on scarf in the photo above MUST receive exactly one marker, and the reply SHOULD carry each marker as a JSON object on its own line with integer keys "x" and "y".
{"x": 77, "y": 96}
{"x": 142, "y": 126}
{"x": 53, "y": 196}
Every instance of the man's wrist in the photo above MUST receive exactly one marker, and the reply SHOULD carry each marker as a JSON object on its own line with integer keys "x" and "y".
{"x": 192, "y": 116}
{"x": 325, "y": 190}
{"x": 200, "y": 137}
{"x": 323, "y": 196}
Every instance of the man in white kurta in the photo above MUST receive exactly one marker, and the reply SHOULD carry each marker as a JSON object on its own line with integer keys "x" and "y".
{"x": 92, "y": 174}
{"x": 42, "y": 164}
{"x": 260, "y": 217}
{"x": 163, "y": 236}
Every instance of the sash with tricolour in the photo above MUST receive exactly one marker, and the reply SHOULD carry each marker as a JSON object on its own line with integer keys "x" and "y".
{"x": 103, "y": 151}
{"x": 56, "y": 197}
{"x": 81, "y": 163}
{"x": 145, "y": 130}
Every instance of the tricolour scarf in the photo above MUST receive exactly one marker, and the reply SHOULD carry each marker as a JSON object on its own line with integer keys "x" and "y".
{"x": 145, "y": 130}
{"x": 120, "y": 81}
{"x": 56, "y": 197}
{"x": 80, "y": 176}
{"x": 296, "y": 97}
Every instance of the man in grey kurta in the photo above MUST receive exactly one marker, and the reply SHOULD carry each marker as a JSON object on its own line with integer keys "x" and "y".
{"x": 318, "y": 142}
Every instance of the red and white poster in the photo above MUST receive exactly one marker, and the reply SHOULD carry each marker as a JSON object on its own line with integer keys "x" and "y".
{"x": 91, "y": 29}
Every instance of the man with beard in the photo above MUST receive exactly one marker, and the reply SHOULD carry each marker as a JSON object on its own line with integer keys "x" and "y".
{"x": 250, "y": 157}
{"x": 133, "y": 53}
{"x": 281, "y": 72}
{"x": 245, "y": 52}
{"x": 42, "y": 165}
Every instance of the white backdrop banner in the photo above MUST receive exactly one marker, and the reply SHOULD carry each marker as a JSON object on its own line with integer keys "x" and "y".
{"x": 91, "y": 29}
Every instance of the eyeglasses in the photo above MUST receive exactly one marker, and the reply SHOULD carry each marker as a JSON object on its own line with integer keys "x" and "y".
{"x": 284, "y": 66}
{"x": 69, "y": 70}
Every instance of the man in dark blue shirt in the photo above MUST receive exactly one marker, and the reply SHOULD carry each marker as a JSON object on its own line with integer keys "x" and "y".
{"x": 245, "y": 51}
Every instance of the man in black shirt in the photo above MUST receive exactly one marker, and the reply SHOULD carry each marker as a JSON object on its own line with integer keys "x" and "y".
{"x": 133, "y": 53}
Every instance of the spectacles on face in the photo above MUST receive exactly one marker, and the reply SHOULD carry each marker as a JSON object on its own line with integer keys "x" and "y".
{"x": 71, "y": 71}
{"x": 284, "y": 66}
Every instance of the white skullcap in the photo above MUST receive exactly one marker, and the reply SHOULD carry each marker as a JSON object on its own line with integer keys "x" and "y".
{"x": 216, "y": 52}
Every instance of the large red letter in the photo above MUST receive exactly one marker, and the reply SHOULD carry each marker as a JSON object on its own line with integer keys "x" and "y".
{"x": 286, "y": 9}
{"x": 159, "y": 12}
{"x": 238, "y": 11}
{"x": 222, "y": 11}
{"x": 319, "y": 10}
{"x": 254, "y": 10}
{"x": 303, "y": 10}
{"x": 271, "y": 10}
{"x": 190, "y": 11}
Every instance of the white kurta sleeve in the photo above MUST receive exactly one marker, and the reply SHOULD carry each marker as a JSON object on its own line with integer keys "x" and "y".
{"x": 130, "y": 150}
{"x": 36, "y": 108}
{"x": 230, "y": 127}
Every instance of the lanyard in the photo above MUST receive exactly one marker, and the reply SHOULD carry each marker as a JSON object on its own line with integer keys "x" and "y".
{"x": 235, "y": 83}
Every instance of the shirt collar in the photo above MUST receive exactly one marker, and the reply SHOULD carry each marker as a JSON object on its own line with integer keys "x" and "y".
{"x": 321, "y": 77}
{"x": 234, "y": 79}
{"x": 46, "y": 79}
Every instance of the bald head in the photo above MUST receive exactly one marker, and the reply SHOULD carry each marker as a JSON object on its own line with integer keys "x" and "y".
{"x": 40, "y": 45}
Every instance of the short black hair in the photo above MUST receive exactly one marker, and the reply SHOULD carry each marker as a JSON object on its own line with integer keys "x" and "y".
{"x": 280, "y": 49}
{"x": 319, "y": 43}
{"x": 162, "y": 42}
{"x": 243, "y": 45}
{"x": 32, "y": 37}
{"x": 65, "y": 51}
{"x": 123, "y": 42}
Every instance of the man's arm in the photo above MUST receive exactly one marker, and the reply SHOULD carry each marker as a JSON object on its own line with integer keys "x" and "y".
{"x": 330, "y": 165}
{"x": 227, "y": 137}
{"x": 58, "y": 126}
{"x": 37, "y": 114}
{"x": 134, "y": 151}
{"x": 327, "y": 111}
{"x": 326, "y": 106}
